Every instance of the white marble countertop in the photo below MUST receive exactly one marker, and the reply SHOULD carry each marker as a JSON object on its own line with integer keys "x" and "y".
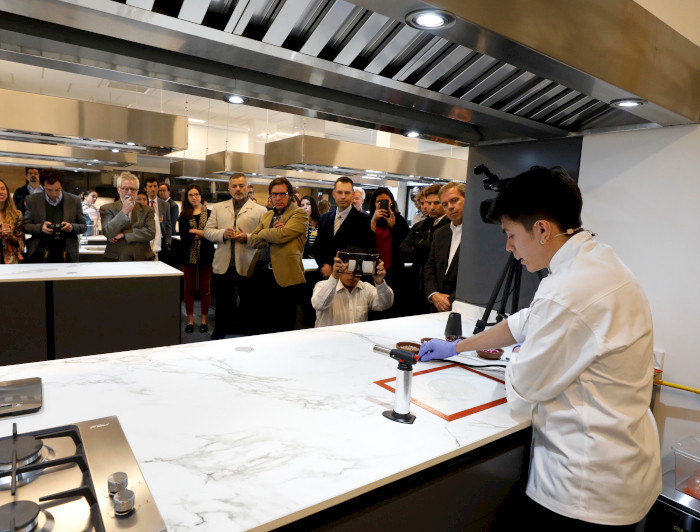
{"x": 84, "y": 270}
{"x": 231, "y": 440}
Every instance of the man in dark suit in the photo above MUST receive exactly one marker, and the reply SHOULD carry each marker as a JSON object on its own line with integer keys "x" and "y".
{"x": 415, "y": 249}
{"x": 32, "y": 186}
{"x": 54, "y": 218}
{"x": 440, "y": 272}
{"x": 344, "y": 226}
{"x": 164, "y": 228}
{"x": 128, "y": 226}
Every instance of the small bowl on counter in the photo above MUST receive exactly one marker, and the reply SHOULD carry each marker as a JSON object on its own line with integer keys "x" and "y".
{"x": 490, "y": 354}
{"x": 411, "y": 347}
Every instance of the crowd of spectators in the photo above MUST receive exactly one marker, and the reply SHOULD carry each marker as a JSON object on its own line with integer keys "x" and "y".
{"x": 250, "y": 257}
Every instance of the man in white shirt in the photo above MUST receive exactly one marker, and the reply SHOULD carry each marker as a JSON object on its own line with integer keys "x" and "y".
{"x": 585, "y": 369}
{"x": 344, "y": 298}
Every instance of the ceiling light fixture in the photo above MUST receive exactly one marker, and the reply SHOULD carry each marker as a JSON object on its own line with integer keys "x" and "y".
{"x": 235, "y": 99}
{"x": 412, "y": 134}
{"x": 196, "y": 121}
{"x": 430, "y": 19}
{"x": 628, "y": 102}
{"x": 115, "y": 150}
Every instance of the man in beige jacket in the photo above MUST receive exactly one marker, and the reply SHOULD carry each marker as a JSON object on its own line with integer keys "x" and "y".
{"x": 229, "y": 226}
{"x": 281, "y": 234}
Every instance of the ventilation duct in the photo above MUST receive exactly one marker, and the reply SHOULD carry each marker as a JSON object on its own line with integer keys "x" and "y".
{"x": 64, "y": 154}
{"x": 49, "y": 120}
{"x": 336, "y": 157}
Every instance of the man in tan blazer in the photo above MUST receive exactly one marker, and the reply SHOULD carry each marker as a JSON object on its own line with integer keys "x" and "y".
{"x": 229, "y": 226}
{"x": 128, "y": 226}
{"x": 282, "y": 231}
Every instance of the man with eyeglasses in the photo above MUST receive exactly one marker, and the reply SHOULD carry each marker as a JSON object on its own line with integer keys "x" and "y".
{"x": 281, "y": 234}
{"x": 128, "y": 226}
{"x": 229, "y": 226}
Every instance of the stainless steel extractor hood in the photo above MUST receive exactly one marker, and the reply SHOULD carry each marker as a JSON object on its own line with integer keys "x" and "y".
{"x": 506, "y": 70}
{"x": 190, "y": 169}
{"x": 65, "y": 154}
{"x": 252, "y": 165}
{"x": 42, "y": 119}
{"x": 336, "y": 157}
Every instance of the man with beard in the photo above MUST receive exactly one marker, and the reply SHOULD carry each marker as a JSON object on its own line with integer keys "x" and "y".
{"x": 229, "y": 226}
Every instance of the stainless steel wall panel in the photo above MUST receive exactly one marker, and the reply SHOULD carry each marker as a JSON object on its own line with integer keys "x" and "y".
{"x": 364, "y": 35}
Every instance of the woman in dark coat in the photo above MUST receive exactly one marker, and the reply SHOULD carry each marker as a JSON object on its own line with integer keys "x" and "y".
{"x": 390, "y": 229}
{"x": 197, "y": 254}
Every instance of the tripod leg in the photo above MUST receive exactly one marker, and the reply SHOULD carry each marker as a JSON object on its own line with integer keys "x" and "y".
{"x": 516, "y": 287}
{"x": 481, "y": 324}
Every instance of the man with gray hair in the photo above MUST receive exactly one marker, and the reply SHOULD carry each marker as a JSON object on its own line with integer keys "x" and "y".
{"x": 128, "y": 226}
{"x": 359, "y": 199}
{"x": 440, "y": 272}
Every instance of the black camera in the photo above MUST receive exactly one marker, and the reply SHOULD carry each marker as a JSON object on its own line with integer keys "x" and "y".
{"x": 360, "y": 264}
{"x": 490, "y": 182}
{"x": 56, "y": 231}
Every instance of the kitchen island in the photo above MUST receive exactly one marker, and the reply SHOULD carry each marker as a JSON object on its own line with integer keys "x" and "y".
{"x": 261, "y": 431}
{"x": 76, "y": 309}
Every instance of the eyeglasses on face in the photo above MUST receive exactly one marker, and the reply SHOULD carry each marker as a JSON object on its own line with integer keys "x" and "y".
{"x": 128, "y": 189}
{"x": 279, "y": 194}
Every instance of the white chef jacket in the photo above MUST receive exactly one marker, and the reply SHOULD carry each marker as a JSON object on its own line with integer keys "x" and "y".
{"x": 584, "y": 373}
{"x": 335, "y": 305}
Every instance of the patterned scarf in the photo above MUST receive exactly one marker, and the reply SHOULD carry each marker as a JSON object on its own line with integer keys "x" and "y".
{"x": 197, "y": 243}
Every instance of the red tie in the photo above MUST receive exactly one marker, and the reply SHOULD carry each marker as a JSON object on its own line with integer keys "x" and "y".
{"x": 151, "y": 203}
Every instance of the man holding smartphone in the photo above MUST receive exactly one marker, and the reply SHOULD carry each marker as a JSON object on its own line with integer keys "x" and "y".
{"x": 128, "y": 226}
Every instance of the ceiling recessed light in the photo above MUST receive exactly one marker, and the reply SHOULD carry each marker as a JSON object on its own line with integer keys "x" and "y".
{"x": 197, "y": 121}
{"x": 412, "y": 134}
{"x": 131, "y": 144}
{"x": 430, "y": 19}
{"x": 234, "y": 98}
{"x": 628, "y": 102}
{"x": 115, "y": 150}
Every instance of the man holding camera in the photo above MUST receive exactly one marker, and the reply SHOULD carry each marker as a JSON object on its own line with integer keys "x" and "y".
{"x": 54, "y": 219}
{"x": 344, "y": 298}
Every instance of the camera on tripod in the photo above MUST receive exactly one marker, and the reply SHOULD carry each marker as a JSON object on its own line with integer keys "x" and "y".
{"x": 491, "y": 182}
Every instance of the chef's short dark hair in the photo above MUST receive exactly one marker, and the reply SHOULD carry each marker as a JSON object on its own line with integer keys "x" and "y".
{"x": 540, "y": 194}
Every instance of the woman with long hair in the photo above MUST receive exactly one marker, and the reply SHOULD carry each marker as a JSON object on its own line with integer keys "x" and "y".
{"x": 309, "y": 205}
{"x": 390, "y": 229}
{"x": 11, "y": 232}
{"x": 91, "y": 213}
{"x": 197, "y": 254}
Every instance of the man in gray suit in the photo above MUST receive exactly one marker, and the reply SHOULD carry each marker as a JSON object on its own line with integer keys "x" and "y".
{"x": 54, "y": 218}
{"x": 128, "y": 226}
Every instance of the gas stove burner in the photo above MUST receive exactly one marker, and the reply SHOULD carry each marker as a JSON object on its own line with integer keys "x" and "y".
{"x": 21, "y": 516}
{"x": 46, "y": 454}
{"x": 27, "y": 449}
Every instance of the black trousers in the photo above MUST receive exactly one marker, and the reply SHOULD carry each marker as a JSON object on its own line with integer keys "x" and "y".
{"x": 546, "y": 520}
{"x": 233, "y": 303}
{"x": 279, "y": 303}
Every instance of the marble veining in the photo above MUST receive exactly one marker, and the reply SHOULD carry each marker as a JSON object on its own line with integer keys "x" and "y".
{"x": 233, "y": 440}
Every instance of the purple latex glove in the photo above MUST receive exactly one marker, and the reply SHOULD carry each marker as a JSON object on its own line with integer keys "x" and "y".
{"x": 433, "y": 349}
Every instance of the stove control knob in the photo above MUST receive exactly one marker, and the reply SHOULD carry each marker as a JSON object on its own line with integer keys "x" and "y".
{"x": 124, "y": 501}
{"x": 116, "y": 482}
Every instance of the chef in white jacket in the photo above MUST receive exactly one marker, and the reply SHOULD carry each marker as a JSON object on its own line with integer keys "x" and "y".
{"x": 585, "y": 368}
